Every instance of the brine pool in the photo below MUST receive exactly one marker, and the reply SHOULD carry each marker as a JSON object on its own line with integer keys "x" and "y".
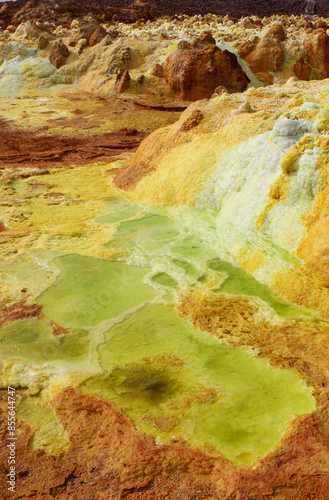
{"x": 128, "y": 343}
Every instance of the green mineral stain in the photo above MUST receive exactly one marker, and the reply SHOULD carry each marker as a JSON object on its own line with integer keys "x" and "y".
{"x": 24, "y": 274}
{"x": 90, "y": 290}
{"x": 32, "y": 339}
{"x": 152, "y": 232}
{"x": 190, "y": 246}
{"x": 122, "y": 210}
{"x": 164, "y": 279}
{"x": 239, "y": 282}
{"x": 174, "y": 380}
{"x": 151, "y": 226}
{"x": 49, "y": 435}
{"x": 188, "y": 268}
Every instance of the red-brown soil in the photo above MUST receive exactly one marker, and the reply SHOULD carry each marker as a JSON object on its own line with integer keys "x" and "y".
{"x": 109, "y": 460}
{"x": 27, "y": 149}
{"x": 17, "y": 311}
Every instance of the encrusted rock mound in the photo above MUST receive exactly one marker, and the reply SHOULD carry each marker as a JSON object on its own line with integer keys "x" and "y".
{"x": 158, "y": 71}
{"x": 316, "y": 46}
{"x": 265, "y": 55}
{"x": 97, "y": 36}
{"x": 122, "y": 81}
{"x": 43, "y": 42}
{"x": 194, "y": 73}
{"x": 58, "y": 54}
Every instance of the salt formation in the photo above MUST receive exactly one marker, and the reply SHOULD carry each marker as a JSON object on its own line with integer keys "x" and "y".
{"x": 22, "y": 69}
{"x": 22, "y": 73}
{"x": 13, "y": 49}
{"x": 244, "y": 175}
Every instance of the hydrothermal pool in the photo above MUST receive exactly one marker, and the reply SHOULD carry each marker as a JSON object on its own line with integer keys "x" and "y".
{"x": 128, "y": 343}
{"x": 173, "y": 380}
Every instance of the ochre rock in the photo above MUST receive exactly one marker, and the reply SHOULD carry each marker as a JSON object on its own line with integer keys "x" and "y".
{"x": 58, "y": 54}
{"x": 39, "y": 152}
{"x": 317, "y": 49}
{"x": 109, "y": 459}
{"x": 263, "y": 56}
{"x": 320, "y": 23}
{"x": 246, "y": 23}
{"x": 88, "y": 26}
{"x": 194, "y": 73}
{"x": 140, "y": 79}
{"x": 122, "y": 81}
{"x": 204, "y": 39}
{"x": 301, "y": 69}
{"x": 43, "y": 41}
{"x": 97, "y": 36}
{"x": 129, "y": 177}
{"x": 183, "y": 44}
{"x": 158, "y": 71}
{"x": 192, "y": 121}
{"x": 276, "y": 32}
{"x": 219, "y": 91}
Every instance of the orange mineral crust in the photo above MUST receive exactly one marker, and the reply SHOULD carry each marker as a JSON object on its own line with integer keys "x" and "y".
{"x": 109, "y": 459}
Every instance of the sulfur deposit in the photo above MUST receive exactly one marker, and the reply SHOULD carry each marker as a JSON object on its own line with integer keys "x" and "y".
{"x": 164, "y": 251}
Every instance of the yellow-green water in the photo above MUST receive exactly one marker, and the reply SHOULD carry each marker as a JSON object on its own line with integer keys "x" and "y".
{"x": 239, "y": 282}
{"x": 32, "y": 339}
{"x": 194, "y": 387}
{"x": 130, "y": 345}
{"x": 88, "y": 291}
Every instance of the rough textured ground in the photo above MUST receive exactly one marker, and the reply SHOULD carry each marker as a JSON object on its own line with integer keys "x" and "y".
{"x": 22, "y": 10}
{"x": 63, "y": 11}
{"x": 237, "y": 9}
{"x": 30, "y": 150}
{"x": 71, "y": 139}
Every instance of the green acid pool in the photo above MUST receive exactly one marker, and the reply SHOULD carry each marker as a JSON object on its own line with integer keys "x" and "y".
{"x": 132, "y": 347}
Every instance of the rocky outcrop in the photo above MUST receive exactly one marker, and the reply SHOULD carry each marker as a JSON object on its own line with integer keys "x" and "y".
{"x": 87, "y": 27}
{"x": 276, "y": 32}
{"x": 194, "y": 73}
{"x": 91, "y": 31}
{"x": 97, "y": 36}
{"x": 316, "y": 46}
{"x": 64, "y": 11}
{"x": 158, "y": 71}
{"x": 129, "y": 177}
{"x": 301, "y": 69}
{"x": 219, "y": 91}
{"x": 58, "y": 54}
{"x": 122, "y": 81}
{"x": 192, "y": 121}
{"x": 204, "y": 38}
{"x": 264, "y": 55}
{"x": 43, "y": 42}
{"x": 38, "y": 28}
